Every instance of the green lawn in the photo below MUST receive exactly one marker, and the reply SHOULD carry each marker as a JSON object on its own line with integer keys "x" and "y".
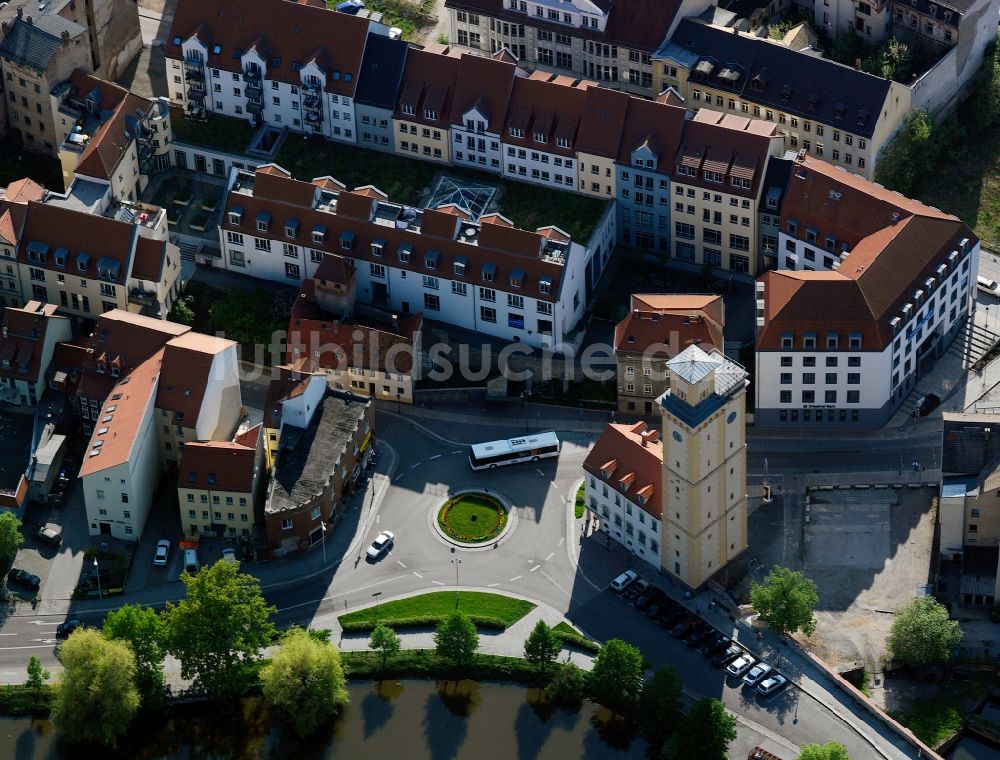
{"x": 427, "y": 609}
{"x": 579, "y": 505}
{"x": 472, "y": 518}
{"x": 219, "y": 132}
{"x": 932, "y": 720}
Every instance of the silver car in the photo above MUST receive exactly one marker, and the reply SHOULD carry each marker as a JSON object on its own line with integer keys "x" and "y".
{"x": 741, "y": 665}
{"x": 380, "y": 545}
{"x": 757, "y": 673}
{"x": 162, "y": 552}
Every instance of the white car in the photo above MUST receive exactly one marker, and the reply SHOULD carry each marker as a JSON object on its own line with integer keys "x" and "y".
{"x": 162, "y": 552}
{"x": 618, "y": 584}
{"x": 757, "y": 673}
{"x": 380, "y": 545}
{"x": 741, "y": 665}
{"x": 229, "y": 553}
{"x": 772, "y": 685}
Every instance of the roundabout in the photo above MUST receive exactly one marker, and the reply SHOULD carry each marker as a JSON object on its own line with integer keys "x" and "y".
{"x": 472, "y": 518}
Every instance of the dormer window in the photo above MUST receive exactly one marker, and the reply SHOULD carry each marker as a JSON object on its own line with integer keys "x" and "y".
{"x": 813, "y": 101}
{"x": 82, "y": 261}
{"x": 459, "y": 266}
{"x": 811, "y": 233}
{"x": 832, "y": 341}
{"x": 830, "y": 243}
{"x": 60, "y": 257}
{"x": 862, "y": 117}
{"x": 838, "y": 110}
{"x": 377, "y": 245}
{"x": 101, "y": 368}
{"x": 211, "y": 478}
{"x": 431, "y": 259}
{"x": 809, "y": 341}
{"x": 489, "y": 272}
{"x": 515, "y": 132}
{"x": 787, "y": 340}
{"x": 407, "y": 110}
{"x": 263, "y": 221}
{"x": 291, "y": 228}
{"x": 517, "y": 278}
{"x": 319, "y": 234}
{"x": 854, "y": 341}
{"x": 713, "y": 176}
{"x": 793, "y": 227}
{"x": 545, "y": 285}
{"x": 563, "y": 142}
{"x": 235, "y": 215}
{"x": 404, "y": 252}
{"x": 540, "y": 138}
{"x": 430, "y": 115}
{"x": 192, "y": 477}
{"x": 347, "y": 241}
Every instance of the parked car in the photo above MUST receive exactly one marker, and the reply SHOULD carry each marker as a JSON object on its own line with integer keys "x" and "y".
{"x": 24, "y": 578}
{"x": 162, "y": 552}
{"x": 381, "y": 544}
{"x": 772, "y": 685}
{"x": 647, "y": 597}
{"x": 623, "y": 581}
{"x": 669, "y": 618}
{"x": 702, "y": 632}
{"x": 653, "y": 611}
{"x": 714, "y": 645}
{"x": 757, "y": 673}
{"x": 727, "y": 655}
{"x": 63, "y": 630}
{"x": 50, "y": 534}
{"x": 927, "y": 404}
{"x": 683, "y": 628}
{"x": 229, "y": 553}
{"x": 741, "y": 665}
{"x": 350, "y": 6}
{"x": 637, "y": 587}
{"x": 191, "y": 564}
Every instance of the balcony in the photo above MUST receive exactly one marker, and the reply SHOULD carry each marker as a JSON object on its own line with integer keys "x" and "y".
{"x": 195, "y": 94}
{"x": 311, "y": 86}
{"x": 311, "y": 101}
{"x": 251, "y": 75}
{"x": 314, "y": 117}
{"x": 195, "y": 75}
{"x": 141, "y": 297}
{"x": 194, "y": 63}
{"x": 255, "y": 106}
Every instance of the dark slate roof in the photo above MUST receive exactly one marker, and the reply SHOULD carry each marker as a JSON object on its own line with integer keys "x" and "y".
{"x": 381, "y": 71}
{"x": 775, "y": 182}
{"x": 27, "y": 45}
{"x": 772, "y": 75}
{"x": 956, "y": 6}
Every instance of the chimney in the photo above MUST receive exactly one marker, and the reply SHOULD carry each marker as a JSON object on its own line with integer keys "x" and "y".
{"x": 857, "y": 64}
{"x": 735, "y": 30}
{"x": 643, "y": 437}
{"x": 65, "y": 38}
{"x": 20, "y": 11}
{"x": 31, "y": 21}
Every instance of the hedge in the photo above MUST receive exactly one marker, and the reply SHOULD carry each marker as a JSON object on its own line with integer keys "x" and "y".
{"x": 575, "y": 640}
{"x": 427, "y": 621}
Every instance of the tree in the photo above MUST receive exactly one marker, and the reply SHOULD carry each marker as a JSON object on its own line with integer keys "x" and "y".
{"x": 705, "y": 734}
{"x": 456, "y": 639}
{"x": 10, "y": 536}
{"x": 786, "y": 600}
{"x": 904, "y": 162}
{"x": 96, "y": 697}
{"x": 922, "y": 633}
{"x": 986, "y": 104}
{"x": 181, "y": 312}
{"x": 660, "y": 702}
{"x": 828, "y": 751}
{"x": 37, "y": 676}
{"x": 219, "y": 628}
{"x": 616, "y": 679}
{"x": 542, "y": 646}
{"x": 384, "y": 641}
{"x": 895, "y": 61}
{"x": 305, "y": 680}
{"x": 567, "y": 686}
{"x": 142, "y": 629}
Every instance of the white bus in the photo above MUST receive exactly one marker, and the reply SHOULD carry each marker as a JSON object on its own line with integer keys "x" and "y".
{"x": 529, "y": 448}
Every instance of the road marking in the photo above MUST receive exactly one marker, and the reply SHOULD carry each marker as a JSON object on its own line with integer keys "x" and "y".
{"x": 549, "y": 557}
{"x": 553, "y": 581}
{"x": 534, "y": 568}
{"x": 514, "y": 578}
{"x": 397, "y": 477}
{"x": 35, "y": 646}
{"x": 458, "y": 451}
{"x": 540, "y": 472}
{"x": 400, "y": 564}
{"x": 563, "y": 498}
{"x": 8, "y": 634}
{"x": 492, "y": 585}
{"x": 417, "y": 574}
{"x": 332, "y": 596}
{"x": 436, "y": 456}
{"x": 437, "y": 583}
{"x": 43, "y": 622}
{"x": 561, "y": 540}
{"x": 415, "y": 466}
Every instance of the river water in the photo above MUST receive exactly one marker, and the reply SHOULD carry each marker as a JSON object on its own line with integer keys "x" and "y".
{"x": 395, "y": 720}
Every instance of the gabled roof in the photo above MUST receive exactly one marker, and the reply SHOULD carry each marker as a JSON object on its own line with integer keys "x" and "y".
{"x": 674, "y": 321}
{"x": 620, "y": 459}
{"x": 23, "y": 340}
{"x": 292, "y": 33}
{"x": 770, "y": 74}
{"x": 428, "y": 84}
{"x": 220, "y": 465}
{"x": 658, "y": 125}
{"x": 603, "y": 122}
{"x": 27, "y": 45}
{"x": 381, "y": 71}
{"x": 287, "y": 381}
{"x": 548, "y": 106}
{"x": 485, "y": 84}
{"x": 150, "y": 259}
{"x": 693, "y": 364}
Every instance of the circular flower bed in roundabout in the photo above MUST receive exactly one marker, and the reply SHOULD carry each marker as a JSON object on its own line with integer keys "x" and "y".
{"x": 472, "y": 518}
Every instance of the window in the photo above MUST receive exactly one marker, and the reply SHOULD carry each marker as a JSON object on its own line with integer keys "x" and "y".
{"x": 459, "y": 288}
{"x": 487, "y": 314}
{"x": 432, "y": 302}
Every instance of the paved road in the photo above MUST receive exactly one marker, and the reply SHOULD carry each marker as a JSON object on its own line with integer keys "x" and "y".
{"x": 536, "y": 560}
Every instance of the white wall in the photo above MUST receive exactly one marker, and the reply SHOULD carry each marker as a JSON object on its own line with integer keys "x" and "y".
{"x": 526, "y": 162}
{"x": 298, "y": 411}
{"x": 618, "y": 515}
{"x": 221, "y": 406}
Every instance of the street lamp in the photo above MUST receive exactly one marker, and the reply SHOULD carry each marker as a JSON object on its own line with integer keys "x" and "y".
{"x": 377, "y": 594}
{"x": 456, "y": 562}
{"x": 322, "y": 525}
{"x": 525, "y": 394}
{"x": 97, "y": 572}
{"x": 399, "y": 402}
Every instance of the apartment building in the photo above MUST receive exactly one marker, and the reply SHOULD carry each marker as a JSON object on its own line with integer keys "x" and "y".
{"x": 13, "y": 212}
{"x": 611, "y": 43}
{"x": 650, "y": 139}
{"x": 716, "y": 183}
{"x": 373, "y": 354}
{"x": 657, "y": 328}
{"x": 482, "y": 95}
{"x": 485, "y": 276}
{"x": 623, "y": 487}
{"x": 421, "y": 119}
{"x": 375, "y": 98}
{"x": 327, "y": 440}
{"x": 218, "y": 486}
{"x": 292, "y": 395}
{"x": 599, "y": 137}
{"x": 935, "y": 27}
{"x": 110, "y": 136}
{"x": 269, "y": 62}
{"x": 27, "y": 342}
{"x": 139, "y": 375}
{"x": 704, "y": 467}
{"x": 769, "y": 209}
{"x": 88, "y": 263}
{"x": 540, "y": 131}
{"x": 871, "y": 288}
{"x": 830, "y": 111}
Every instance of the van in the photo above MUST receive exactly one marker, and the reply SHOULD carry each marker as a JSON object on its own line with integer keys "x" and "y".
{"x": 988, "y": 286}
{"x": 191, "y": 561}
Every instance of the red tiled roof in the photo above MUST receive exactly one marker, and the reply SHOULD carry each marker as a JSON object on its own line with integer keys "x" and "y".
{"x": 335, "y": 269}
{"x": 291, "y": 32}
{"x": 184, "y": 377}
{"x": 673, "y": 324}
{"x": 552, "y": 109}
{"x": 150, "y": 259}
{"x": 428, "y": 84}
{"x": 23, "y": 190}
{"x": 287, "y": 381}
{"x": 220, "y": 465}
{"x": 656, "y": 124}
{"x": 627, "y": 462}
{"x": 603, "y": 122}
{"x": 484, "y": 84}
{"x": 23, "y": 340}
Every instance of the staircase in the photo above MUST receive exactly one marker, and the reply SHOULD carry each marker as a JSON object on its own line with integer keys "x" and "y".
{"x": 188, "y": 250}
{"x": 972, "y": 343}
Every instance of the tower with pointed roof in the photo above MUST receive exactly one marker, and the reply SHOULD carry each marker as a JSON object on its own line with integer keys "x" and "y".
{"x": 704, "y": 466}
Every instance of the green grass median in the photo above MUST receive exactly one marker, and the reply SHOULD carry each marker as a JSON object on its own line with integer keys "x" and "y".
{"x": 426, "y": 610}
